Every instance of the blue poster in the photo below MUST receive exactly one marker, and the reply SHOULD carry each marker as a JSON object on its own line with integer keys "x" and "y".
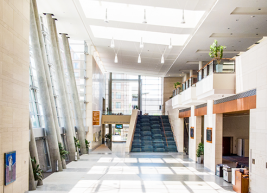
{"x": 10, "y": 167}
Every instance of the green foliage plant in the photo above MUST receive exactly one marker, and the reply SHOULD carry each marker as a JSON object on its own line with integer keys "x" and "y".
{"x": 37, "y": 171}
{"x": 87, "y": 144}
{"x": 62, "y": 151}
{"x": 216, "y": 51}
{"x": 108, "y": 136}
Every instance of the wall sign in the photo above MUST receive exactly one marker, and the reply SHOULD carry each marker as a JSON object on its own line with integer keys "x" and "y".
{"x": 96, "y": 118}
{"x": 209, "y": 134}
{"x": 10, "y": 167}
{"x": 192, "y": 132}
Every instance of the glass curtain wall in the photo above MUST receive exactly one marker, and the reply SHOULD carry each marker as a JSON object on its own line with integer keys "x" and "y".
{"x": 151, "y": 95}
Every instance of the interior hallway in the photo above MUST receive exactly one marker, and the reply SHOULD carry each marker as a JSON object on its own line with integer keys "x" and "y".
{"x": 117, "y": 172}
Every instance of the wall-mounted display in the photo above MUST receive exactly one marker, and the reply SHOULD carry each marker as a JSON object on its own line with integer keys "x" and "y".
{"x": 119, "y": 126}
{"x": 192, "y": 132}
{"x": 96, "y": 118}
{"x": 209, "y": 135}
{"x": 10, "y": 167}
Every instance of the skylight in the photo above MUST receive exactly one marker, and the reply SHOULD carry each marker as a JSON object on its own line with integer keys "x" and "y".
{"x": 135, "y": 35}
{"x": 130, "y": 13}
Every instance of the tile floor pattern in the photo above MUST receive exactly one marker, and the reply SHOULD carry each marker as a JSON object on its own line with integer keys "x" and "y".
{"x": 116, "y": 172}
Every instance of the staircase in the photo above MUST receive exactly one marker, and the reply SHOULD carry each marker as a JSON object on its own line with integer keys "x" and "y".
{"x": 153, "y": 134}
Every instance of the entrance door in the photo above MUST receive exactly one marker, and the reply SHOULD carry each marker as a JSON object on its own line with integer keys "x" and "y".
{"x": 226, "y": 146}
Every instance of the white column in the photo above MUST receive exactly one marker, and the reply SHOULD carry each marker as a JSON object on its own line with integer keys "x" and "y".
{"x": 200, "y": 65}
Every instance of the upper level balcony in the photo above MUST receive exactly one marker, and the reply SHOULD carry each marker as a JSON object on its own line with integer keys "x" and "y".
{"x": 216, "y": 80}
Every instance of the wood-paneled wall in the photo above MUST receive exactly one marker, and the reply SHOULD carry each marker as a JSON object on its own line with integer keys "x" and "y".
{"x": 201, "y": 111}
{"x": 235, "y": 105}
{"x": 185, "y": 114}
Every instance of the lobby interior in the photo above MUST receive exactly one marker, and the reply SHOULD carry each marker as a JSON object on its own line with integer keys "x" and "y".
{"x": 124, "y": 96}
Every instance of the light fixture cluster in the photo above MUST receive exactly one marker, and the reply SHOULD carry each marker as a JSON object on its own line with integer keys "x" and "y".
{"x": 112, "y": 44}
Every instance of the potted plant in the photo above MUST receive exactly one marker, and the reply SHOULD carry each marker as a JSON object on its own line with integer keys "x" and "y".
{"x": 216, "y": 51}
{"x": 63, "y": 153}
{"x": 77, "y": 147}
{"x": 87, "y": 145}
{"x": 186, "y": 151}
{"x": 178, "y": 84}
{"x": 37, "y": 171}
{"x": 108, "y": 137}
{"x": 200, "y": 153}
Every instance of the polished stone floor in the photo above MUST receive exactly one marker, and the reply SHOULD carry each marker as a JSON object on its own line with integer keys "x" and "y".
{"x": 114, "y": 171}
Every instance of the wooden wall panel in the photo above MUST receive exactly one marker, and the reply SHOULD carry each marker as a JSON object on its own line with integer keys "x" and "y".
{"x": 185, "y": 114}
{"x": 201, "y": 111}
{"x": 235, "y": 105}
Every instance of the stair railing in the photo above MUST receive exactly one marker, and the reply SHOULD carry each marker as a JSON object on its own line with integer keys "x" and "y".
{"x": 164, "y": 131}
{"x": 173, "y": 132}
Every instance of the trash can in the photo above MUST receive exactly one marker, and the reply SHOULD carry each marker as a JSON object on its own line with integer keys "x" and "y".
{"x": 227, "y": 173}
{"x": 219, "y": 170}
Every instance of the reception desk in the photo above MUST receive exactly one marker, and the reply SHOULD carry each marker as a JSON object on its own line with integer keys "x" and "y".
{"x": 241, "y": 182}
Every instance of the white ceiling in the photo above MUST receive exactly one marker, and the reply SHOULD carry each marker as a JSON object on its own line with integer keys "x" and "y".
{"x": 228, "y": 21}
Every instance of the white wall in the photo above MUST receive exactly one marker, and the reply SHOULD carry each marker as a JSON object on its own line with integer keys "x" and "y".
{"x": 251, "y": 72}
{"x": 236, "y": 127}
{"x": 95, "y": 92}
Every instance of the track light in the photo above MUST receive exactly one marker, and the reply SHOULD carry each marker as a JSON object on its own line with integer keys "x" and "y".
{"x": 162, "y": 59}
{"x": 141, "y": 43}
{"x": 116, "y": 59}
{"x": 170, "y": 45}
{"x": 183, "y": 21}
{"x": 139, "y": 59}
{"x": 144, "y": 21}
{"x": 112, "y": 44}
{"x": 106, "y": 18}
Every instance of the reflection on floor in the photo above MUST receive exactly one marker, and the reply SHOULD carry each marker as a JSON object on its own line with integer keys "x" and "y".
{"x": 117, "y": 172}
{"x": 241, "y": 160}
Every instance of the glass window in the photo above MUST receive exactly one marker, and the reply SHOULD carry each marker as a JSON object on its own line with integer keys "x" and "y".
{"x": 118, "y": 95}
{"x": 76, "y": 74}
{"x": 76, "y": 65}
{"x": 118, "y": 105}
{"x": 118, "y": 86}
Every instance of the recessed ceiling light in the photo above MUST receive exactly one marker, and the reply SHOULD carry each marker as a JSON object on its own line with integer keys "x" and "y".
{"x": 257, "y": 28}
{"x": 231, "y": 33}
{"x": 253, "y": 16}
{"x": 228, "y": 27}
{"x": 237, "y": 20}
{"x": 259, "y": 9}
{"x": 257, "y": 34}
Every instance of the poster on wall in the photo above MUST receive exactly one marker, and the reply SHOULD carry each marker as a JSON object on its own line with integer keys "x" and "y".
{"x": 209, "y": 134}
{"x": 96, "y": 118}
{"x": 192, "y": 132}
{"x": 10, "y": 167}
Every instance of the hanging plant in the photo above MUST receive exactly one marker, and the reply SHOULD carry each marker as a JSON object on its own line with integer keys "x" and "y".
{"x": 216, "y": 51}
{"x": 62, "y": 151}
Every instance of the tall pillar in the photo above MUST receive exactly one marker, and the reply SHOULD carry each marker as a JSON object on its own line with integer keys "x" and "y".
{"x": 31, "y": 176}
{"x": 61, "y": 89}
{"x": 191, "y": 73}
{"x": 200, "y": 65}
{"x": 33, "y": 149}
{"x": 47, "y": 73}
{"x": 139, "y": 93}
{"x": 44, "y": 94}
{"x": 110, "y": 105}
{"x": 74, "y": 92}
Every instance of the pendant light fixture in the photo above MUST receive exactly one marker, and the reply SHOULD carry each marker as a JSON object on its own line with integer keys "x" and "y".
{"x": 139, "y": 59}
{"x": 162, "y": 59}
{"x": 145, "y": 21}
{"x": 170, "y": 45}
{"x": 183, "y": 21}
{"x": 106, "y": 17}
{"x": 141, "y": 43}
{"x": 112, "y": 44}
{"x": 116, "y": 59}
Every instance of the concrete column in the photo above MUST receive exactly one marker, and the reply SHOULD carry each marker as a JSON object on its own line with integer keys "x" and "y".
{"x": 191, "y": 73}
{"x": 47, "y": 73}
{"x": 44, "y": 94}
{"x": 110, "y": 105}
{"x": 74, "y": 93}
{"x": 139, "y": 93}
{"x": 31, "y": 176}
{"x": 200, "y": 65}
{"x": 63, "y": 95}
{"x": 33, "y": 149}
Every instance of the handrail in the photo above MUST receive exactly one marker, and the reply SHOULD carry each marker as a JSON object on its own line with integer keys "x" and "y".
{"x": 164, "y": 131}
{"x": 212, "y": 60}
{"x": 173, "y": 133}
{"x": 194, "y": 76}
